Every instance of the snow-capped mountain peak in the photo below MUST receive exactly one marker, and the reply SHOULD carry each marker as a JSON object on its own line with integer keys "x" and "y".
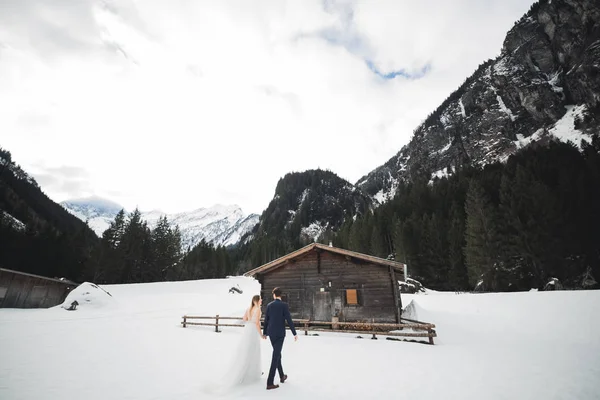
{"x": 97, "y": 211}
{"x": 221, "y": 225}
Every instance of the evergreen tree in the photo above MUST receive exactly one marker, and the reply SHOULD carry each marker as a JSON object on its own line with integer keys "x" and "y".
{"x": 166, "y": 245}
{"x": 481, "y": 235}
{"x": 134, "y": 248}
{"x": 435, "y": 259}
{"x": 356, "y": 240}
{"x": 378, "y": 245}
{"x": 458, "y": 275}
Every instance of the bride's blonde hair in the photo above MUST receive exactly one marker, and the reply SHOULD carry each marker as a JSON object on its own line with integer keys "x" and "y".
{"x": 255, "y": 300}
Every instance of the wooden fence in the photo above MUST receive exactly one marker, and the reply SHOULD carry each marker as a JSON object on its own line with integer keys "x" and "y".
{"x": 426, "y": 330}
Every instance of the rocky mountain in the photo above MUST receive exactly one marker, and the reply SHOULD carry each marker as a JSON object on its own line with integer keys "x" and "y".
{"x": 307, "y": 206}
{"x": 544, "y": 85}
{"x": 220, "y": 225}
{"x": 309, "y": 203}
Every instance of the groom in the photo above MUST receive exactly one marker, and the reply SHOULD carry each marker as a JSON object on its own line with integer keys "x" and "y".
{"x": 277, "y": 313}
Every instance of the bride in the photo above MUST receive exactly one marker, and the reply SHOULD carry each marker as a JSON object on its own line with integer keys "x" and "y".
{"x": 246, "y": 366}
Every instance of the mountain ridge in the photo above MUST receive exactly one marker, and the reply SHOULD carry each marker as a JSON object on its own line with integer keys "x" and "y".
{"x": 221, "y": 225}
{"x": 540, "y": 87}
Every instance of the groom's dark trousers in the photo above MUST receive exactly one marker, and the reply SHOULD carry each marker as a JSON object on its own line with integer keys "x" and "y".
{"x": 277, "y": 343}
{"x": 276, "y": 316}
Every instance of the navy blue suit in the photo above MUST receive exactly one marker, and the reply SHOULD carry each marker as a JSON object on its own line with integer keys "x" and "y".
{"x": 276, "y": 316}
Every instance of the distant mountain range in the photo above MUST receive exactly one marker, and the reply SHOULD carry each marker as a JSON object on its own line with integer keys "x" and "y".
{"x": 98, "y": 212}
{"x": 221, "y": 225}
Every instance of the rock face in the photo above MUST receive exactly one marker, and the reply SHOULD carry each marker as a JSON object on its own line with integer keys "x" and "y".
{"x": 308, "y": 204}
{"x": 545, "y": 83}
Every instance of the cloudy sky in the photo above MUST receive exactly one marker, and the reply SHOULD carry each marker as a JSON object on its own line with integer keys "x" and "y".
{"x": 181, "y": 104}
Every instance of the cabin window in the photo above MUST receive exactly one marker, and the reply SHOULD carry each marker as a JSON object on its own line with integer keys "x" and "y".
{"x": 3, "y": 291}
{"x": 352, "y": 297}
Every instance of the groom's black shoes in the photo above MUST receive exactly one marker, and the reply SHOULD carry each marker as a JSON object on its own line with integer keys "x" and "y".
{"x": 269, "y": 387}
{"x": 283, "y": 378}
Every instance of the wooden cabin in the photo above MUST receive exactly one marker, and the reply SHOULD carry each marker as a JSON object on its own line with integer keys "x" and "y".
{"x": 23, "y": 290}
{"x": 324, "y": 283}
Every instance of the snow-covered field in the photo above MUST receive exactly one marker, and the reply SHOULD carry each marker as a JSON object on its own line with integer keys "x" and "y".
{"x": 530, "y": 345}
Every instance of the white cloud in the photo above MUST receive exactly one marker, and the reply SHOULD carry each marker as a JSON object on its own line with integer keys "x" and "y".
{"x": 193, "y": 103}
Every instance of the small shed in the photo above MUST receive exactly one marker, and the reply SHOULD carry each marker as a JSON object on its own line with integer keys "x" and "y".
{"x": 325, "y": 283}
{"x": 23, "y": 290}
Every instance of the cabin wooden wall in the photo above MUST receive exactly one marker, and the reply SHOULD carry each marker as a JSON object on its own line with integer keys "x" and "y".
{"x": 303, "y": 278}
{"x": 26, "y": 291}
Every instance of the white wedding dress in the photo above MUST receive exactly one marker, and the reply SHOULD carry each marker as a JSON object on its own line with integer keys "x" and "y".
{"x": 245, "y": 367}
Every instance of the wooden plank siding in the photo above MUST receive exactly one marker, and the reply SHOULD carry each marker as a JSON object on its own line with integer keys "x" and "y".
{"x": 303, "y": 278}
{"x": 21, "y": 290}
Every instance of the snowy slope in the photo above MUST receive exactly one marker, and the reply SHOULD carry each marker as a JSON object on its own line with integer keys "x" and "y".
{"x": 532, "y": 345}
{"x": 11, "y": 221}
{"x": 220, "y": 225}
{"x": 97, "y": 211}
{"x": 564, "y": 129}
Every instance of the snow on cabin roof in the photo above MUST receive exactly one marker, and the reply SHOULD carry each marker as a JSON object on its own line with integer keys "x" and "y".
{"x": 281, "y": 261}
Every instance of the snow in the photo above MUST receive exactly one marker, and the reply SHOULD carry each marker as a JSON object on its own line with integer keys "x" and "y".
{"x": 302, "y": 197}
{"x": 442, "y": 173}
{"x": 89, "y": 295}
{"x": 443, "y": 149}
{"x": 504, "y": 108}
{"x": 564, "y": 129}
{"x": 525, "y": 141}
{"x": 445, "y": 120}
{"x": 98, "y": 212}
{"x": 234, "y": 234}
{"x": 462, "y": 108}
{"x": 17, "y": 224}
{"x": 314, "y": 230}
{"x": 553, "y": 82}
{"x": 385, "y": 195}
{"x": 526, "y": 345}
{"x": 381, "y": 196}
{"x": 500, "y": 68}
{"x": 222, "y": 225}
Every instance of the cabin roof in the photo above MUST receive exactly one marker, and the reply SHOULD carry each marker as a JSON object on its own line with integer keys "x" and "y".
{"x": 282, "y": 260}
{"x": 63, "y": 281}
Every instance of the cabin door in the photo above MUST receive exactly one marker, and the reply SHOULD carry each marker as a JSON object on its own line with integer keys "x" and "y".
{"x": 322, "y": 306}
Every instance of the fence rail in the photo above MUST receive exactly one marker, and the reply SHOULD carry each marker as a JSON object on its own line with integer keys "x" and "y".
{"x": 381, "y": 329}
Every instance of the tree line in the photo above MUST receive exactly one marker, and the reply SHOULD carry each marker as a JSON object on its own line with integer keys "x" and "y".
{"x": 506, "y": 226}
{"x": 131, "y": 252}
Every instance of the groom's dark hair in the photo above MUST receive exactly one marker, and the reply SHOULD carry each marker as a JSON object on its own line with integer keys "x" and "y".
{"x": 277, "y": 292}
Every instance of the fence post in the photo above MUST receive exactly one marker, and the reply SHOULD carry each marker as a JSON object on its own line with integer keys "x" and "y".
{"x": 305, "y": 328}
{"x": 430, "y": 336}
{"x": 184, "y": 321}
{"x": 217, "y": 324}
